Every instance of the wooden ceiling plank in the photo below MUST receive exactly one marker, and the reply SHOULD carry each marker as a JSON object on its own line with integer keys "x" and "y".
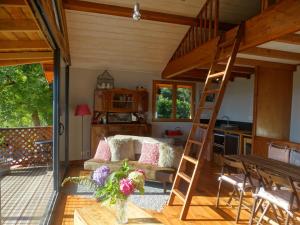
{"x": 274, "y": 65}
{"x": 12, "y": 3}
{"x": 25, "y": 55}
{"x": 20, "y": 45}
{"x": 275, "y": 22}
{"x": 272, "y": 53}
{"x": 290, "y": 39}
{"x": 14, "y": 62}
{"x": 125, "y": 12}
{"x": 18, "y": 25}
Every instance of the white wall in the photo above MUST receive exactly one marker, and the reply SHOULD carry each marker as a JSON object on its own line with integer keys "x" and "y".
{"x": 238, "y": 100}
{"x": 295, "y": 121}
{"x": 82, "y": 84}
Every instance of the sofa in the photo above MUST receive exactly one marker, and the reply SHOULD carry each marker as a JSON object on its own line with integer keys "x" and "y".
{"x": 168, "y": 155}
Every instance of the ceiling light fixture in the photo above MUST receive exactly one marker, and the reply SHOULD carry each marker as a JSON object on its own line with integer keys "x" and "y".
{"x": 136, "y": 12}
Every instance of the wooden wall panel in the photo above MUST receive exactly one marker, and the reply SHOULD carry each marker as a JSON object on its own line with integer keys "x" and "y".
{"x": 273, "y": 101}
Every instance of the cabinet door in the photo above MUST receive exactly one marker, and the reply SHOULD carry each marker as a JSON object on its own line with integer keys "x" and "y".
{"x": 97, "y": 133}
{"x": 142, "y": 101}
{"x": 101, "y": 101}
{"x": 123, "y": 101}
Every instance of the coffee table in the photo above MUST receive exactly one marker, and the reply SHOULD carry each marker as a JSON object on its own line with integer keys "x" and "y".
{"x": 100, "y": 215}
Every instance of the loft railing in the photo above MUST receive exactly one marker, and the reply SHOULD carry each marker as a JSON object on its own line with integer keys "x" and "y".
{"x": 19, "y": 146}
{"x": 205, "y": 28}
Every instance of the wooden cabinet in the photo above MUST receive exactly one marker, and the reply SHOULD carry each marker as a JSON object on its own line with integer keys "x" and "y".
{"x": 100, "y": 131}
{"x": 121, "y": 100}
{"x": 101, "y": 100}
{"x": 272, "y": 107}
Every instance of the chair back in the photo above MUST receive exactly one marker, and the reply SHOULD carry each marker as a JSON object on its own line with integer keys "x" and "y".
{"x": 234, "y": 164}
{"x": 269, "y": 179}
{"x": 280, "y": 153}
{"x": 295, "y": 157}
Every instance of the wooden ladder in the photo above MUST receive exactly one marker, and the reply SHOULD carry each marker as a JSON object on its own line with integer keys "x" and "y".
{"x": 193, "y": 157}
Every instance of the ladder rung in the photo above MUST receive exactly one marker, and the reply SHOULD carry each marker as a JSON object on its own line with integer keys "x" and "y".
{"x": 190, "y": 159}
{"x": 214, "y": 75}
{"x": 226, "y": 43}
{"x": 185, "y": 177}
{"x": 179, "y": 194}
{"x": 202, "y": 125}
{"x": 213, "y": 91}
{"x": 195, "y": 142}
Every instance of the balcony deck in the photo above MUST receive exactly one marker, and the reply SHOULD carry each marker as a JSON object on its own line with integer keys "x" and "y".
{"x": 25, "y": 194}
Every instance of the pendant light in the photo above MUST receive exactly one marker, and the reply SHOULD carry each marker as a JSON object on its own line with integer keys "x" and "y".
{"x": 136, "y": 12}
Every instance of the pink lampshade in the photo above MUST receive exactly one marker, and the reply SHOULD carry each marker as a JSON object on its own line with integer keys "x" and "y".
{"x": 82, "y": 110}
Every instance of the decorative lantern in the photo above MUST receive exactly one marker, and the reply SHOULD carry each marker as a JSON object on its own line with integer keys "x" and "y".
{"x": 105, "y": 81}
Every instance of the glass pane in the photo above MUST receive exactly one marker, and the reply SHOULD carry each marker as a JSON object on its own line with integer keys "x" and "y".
{"x": 123, "y": 101}
{"x": 163, "y": 101}
{"x": 183, "y": 102}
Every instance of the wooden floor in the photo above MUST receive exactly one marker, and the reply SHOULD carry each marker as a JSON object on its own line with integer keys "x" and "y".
{"x": 202, "y": 211}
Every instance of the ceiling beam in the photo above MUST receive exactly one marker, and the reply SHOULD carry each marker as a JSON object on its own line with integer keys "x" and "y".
{"x": 272, "y": 53}
{"x": 12, "y": 3}
{"x": 274, "y": 65}
{"x": 18, "y": 25}
{"x": 20, "y": 45}
{"x": 25, "y": 55}
{"x": 126, "y": 12}
{"x": 275, "y": 22}
{"x": 14, "y": 62}
{"x": 113, "y": 10}
{"x": 290, "y": 39}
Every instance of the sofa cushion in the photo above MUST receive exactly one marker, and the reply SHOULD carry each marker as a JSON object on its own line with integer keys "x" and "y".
{"x": 103, "y": 151}
{"x": 121, "y": 149}
{"x": 150, "y": 153}
{"x": 166, "y": 155}
{"x": 150, "y": 170}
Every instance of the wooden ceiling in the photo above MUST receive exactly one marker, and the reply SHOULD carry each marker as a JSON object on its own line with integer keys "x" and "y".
{"x": 100, "y": 41}
{"x": 21, "y": 39}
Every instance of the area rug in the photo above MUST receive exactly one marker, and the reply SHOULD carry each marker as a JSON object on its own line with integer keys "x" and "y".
{"x": 154, "y": 197}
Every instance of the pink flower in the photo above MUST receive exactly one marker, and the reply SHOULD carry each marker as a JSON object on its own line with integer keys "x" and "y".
{"x": 126, "y": 187}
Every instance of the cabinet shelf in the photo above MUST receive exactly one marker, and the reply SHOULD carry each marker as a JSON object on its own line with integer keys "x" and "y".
{"x": 123, "y": 101}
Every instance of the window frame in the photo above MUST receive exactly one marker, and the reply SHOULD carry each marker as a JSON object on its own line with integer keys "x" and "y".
{"x": 174, "y": 85}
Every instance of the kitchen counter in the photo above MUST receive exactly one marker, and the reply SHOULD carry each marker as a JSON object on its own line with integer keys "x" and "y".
{"x": 246, "y": 133}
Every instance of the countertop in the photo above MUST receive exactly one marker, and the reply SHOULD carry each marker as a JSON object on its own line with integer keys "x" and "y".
{"x": 246, "y": 133}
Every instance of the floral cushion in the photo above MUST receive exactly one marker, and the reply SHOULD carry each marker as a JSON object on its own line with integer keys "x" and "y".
{"x": 103, "y": 151}
{"x": 149, "y": 153}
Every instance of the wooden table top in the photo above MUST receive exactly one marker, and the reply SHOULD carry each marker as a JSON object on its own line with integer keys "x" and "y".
{"x": 283, "y": 168}
{"x": 100, "y": 215}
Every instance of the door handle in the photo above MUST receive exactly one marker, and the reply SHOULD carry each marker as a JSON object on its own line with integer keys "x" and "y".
{"x": 61, "y": 128}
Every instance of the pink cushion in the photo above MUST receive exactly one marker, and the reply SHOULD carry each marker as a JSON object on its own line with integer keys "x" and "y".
{"x": 149, "y": 153}
{"x": 103, "y": 151}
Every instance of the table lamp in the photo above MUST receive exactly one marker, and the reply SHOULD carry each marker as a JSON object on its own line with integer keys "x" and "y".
{"x": 82, "y": 110}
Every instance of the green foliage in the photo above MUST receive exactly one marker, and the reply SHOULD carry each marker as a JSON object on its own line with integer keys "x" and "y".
{"x": 183, "y": 103}
{"x": 26, "y": 98}
{"x": 110, "y": 192}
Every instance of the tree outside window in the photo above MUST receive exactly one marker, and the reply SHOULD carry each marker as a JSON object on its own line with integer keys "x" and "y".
{"x": 173, "y": 101}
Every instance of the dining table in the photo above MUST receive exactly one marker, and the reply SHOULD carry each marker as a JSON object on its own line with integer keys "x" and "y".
{"x": 279, "y": 167}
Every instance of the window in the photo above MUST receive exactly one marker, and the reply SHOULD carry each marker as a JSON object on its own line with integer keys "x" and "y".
{"x": 173, "y": 101}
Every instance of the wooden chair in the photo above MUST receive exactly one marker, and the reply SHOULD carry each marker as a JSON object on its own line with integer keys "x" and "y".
{"x": 278, "y": 192}
{"x": 240, "y": 180}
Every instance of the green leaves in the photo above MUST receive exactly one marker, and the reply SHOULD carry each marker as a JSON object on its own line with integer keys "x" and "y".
{"x": 24, "y": 91}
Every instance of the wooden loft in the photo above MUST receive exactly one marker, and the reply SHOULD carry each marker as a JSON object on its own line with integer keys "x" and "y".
{"x": 266, "y": 38}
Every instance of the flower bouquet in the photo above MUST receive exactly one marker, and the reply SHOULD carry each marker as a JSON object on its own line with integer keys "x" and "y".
{"x": 113, "y": 188}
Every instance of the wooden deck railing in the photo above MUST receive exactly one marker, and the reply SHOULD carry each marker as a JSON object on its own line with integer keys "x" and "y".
{"x": 18, "y": 146}
{"x": 204, "y": 29}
